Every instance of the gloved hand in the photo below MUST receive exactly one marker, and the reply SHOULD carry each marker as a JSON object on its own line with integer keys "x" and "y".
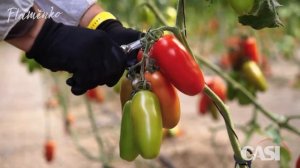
{"x": 121, "y": 36}
{"x": 91, "y": 55}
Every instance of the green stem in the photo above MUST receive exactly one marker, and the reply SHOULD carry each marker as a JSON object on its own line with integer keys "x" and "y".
{"x": 81, "y": 149}
{"x": 63, "y": 103}
{"x": 293, "y": 117}
{"x": 180, "y": 19}
{"x": 95, "y": 132}
{"x": 156, "y": 12}
{"x": 229, "y": 125}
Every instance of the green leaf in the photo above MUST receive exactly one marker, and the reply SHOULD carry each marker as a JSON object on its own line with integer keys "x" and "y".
{"x": 285, "y": 157}
{"x": 265, "y": 15}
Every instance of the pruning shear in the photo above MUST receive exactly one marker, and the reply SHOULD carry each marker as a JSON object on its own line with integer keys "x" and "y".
{"x": 128, "y": 48}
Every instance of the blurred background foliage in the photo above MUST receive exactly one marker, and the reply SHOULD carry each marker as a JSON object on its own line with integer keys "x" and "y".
{"x": 211, "y": 22}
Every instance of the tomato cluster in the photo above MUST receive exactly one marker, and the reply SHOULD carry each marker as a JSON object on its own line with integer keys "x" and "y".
{"x": 150, "y": 102}
{"x": 244, "y": 62}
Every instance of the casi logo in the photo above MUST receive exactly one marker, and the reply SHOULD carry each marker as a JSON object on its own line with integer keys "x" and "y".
{"x": 259, "y": 152}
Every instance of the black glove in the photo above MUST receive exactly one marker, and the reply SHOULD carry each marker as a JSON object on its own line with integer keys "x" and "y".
{"x": 121, "y": 36}
{"x": 92, "y": 57}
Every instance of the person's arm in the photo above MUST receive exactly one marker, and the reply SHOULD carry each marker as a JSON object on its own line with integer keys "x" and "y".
{"x": 26, "y": 41}
{"x": 9, "y": 12}
{"x": 87, "y": 17}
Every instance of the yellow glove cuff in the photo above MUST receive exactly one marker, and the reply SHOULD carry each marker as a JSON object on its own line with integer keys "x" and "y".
{"x": 100, "y": 18}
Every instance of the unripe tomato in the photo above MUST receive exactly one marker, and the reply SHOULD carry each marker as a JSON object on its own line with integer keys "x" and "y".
{"x": 254, "y": 75}
{"x": 171, "y": 14}
{"x": 49, "y": 150}
{"x": 128, "y": 150}
{"x": 177, "y": 65}
{"x": 125, "y": 92}
{"x": 168, "y": 98}
{"x": 147, "y": 123}
{"x": 242, "y": 7}
{"x": 214, "y": 111}
{"x": 145, "y": 16}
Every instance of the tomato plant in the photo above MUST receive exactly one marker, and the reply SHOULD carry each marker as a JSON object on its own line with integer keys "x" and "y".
{"x": 165, "y": 64}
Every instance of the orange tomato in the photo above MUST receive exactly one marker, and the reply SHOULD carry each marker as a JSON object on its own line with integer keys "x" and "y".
{"x": 168, "y": 98}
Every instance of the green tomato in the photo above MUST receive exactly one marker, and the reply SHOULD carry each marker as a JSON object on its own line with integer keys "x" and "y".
{"x": 146, "y": 16}
{"x": 127, "y": 147}
{"x": 147, "y": 123}
{"x": 171, "y": 14}
{"x": 242, "y": 7}
{"x": 214, "y": 112}
{"x": 254, "y": 75}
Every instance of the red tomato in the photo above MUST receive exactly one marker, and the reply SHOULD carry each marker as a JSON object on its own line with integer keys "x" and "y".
{"x": 225, "y": 62}
{"x": 204, "y": 104}
{"x": 298, "y": 162}
{"x": 49, "y": 150}
{"x": 168, "y": 98}
{"x": 217, "y": 85}
{"x": 177, "y": 65}
{"x": 95, "y": 94}
{"x": 250, "y": 50}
